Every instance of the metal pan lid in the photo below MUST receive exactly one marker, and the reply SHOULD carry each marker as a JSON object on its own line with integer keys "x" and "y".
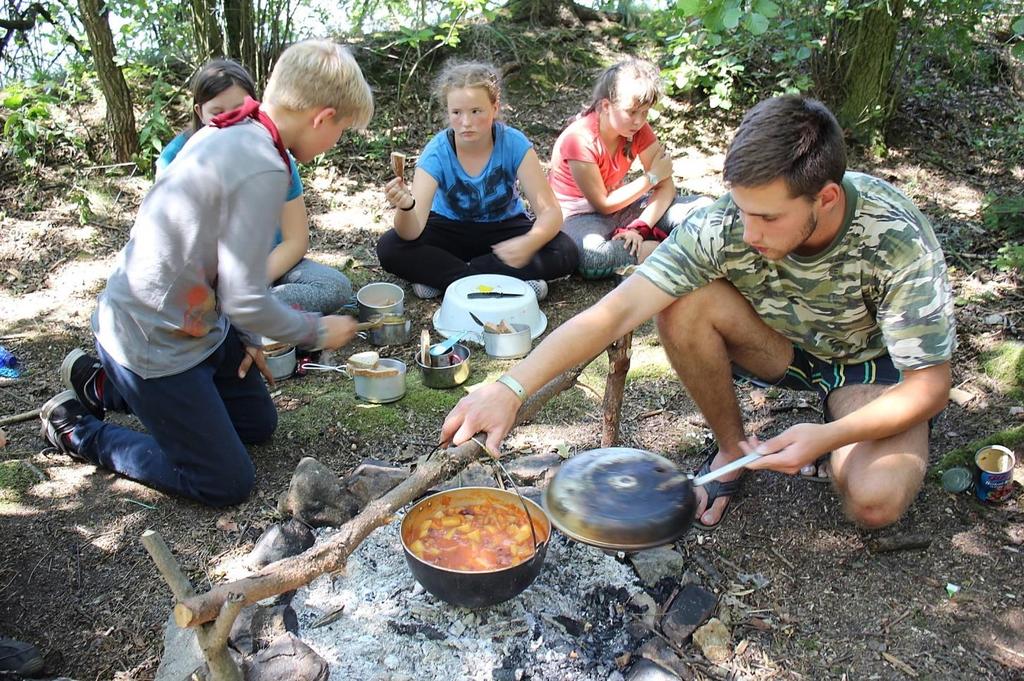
{"x": 620, "y": 498}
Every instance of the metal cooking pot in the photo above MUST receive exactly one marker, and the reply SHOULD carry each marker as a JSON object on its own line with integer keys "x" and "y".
{"x": 380, "y": 299}
{"x": 475, "y": 589}
{"x": 281, "y": 362}
{"x": 625, "y": 499}
{"x": 392, "y": 330}
{"x": 446, "y": 377}
{"x": 378, "y": 387}
{"x": 508, "y": 345}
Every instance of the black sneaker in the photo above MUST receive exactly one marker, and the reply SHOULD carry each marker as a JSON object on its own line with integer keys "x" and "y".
{"x": 60, "y": 415}
{"x": 17, "y": 657}
{"x": 84, "y": 374}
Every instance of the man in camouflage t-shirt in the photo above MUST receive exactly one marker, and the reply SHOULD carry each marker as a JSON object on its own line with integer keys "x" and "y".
{"x": 803, "y": 276}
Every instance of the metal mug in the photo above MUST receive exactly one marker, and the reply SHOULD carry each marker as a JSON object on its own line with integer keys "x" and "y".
{"x": 379, "y": 299}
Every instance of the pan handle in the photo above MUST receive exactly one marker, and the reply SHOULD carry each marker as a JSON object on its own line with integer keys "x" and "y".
{"x": 727, "y": 468}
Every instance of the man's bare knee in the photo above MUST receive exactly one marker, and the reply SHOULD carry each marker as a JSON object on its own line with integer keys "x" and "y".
{"x": 877, "y": 501}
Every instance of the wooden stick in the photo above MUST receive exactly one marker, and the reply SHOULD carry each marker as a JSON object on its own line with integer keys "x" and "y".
{"x": 165, "y": 563}
{"x": 18, "y": 418}
{"x": 618, "y": 367}
{"x": 213, "y": 639}
{"x": 330, "y": 556}
{"x": 900, "y": 542}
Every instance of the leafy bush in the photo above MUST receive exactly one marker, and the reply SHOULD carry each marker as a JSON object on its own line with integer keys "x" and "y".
{"x": 31, "y": 130}
{"x": 719, "y": 46}
{"x": 155, "y": 127}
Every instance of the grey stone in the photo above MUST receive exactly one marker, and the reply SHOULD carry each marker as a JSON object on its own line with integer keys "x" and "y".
{"x": 182, "y": 654}
{"x": 655, "y": 564}
{"x": 258, "y": 626}
{"x": 529, "y": 470}
{"x": 316, "y": 496}
{"x": 286, "y": 659}
{"x": 659, "y": 652}
{"x": 645, "y": 670}
{"x": 473, "y": 475}
{"x": 649, "y": 609}
{"x": 373, "y": 479}
{"x": 280, "y": 541}
{"x": 691, "y": 607}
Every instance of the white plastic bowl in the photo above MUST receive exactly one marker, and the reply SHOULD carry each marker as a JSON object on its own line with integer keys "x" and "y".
{"x": 453, "y": 315}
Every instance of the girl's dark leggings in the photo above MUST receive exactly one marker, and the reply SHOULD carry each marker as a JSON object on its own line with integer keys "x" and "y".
{"x": 448, "y": 250}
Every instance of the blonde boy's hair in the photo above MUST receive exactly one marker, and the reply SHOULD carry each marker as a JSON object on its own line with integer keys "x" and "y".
{"x": 320, "y": 73}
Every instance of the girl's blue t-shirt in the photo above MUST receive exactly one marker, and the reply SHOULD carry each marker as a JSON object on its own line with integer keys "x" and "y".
{"x": 492, "y": 195}
{"x": 172, "y": 148}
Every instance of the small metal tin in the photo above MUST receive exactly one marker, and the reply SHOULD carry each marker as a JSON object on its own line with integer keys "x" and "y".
{"x": 956, "y": 480}
{"x": 995, "y": 473}
{"x": 508, "y": 345}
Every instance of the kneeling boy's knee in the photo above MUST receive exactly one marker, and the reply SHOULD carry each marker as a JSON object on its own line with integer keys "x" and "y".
{"x": 234, "y": 487}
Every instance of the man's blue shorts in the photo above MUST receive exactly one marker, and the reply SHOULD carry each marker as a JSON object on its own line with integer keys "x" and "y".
{"x": 807, "y": 372}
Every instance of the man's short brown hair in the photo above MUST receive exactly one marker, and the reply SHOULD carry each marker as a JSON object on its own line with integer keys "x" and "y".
{"x": 793, "y": 137}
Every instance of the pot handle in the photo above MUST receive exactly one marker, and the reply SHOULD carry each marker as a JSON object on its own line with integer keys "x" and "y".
{"x": 340, "y": 368}
{"x": 498, "y": 465}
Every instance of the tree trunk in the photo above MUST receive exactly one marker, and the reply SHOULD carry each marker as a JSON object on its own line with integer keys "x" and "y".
{"x": 120, "y": 115}
{"x": 861, "y": 63}
{"x": 550, "y": 12}
{"x": 205, "y": 30}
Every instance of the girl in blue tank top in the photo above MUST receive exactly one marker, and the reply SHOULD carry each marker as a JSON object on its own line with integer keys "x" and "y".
{"x": 463, "y": 214}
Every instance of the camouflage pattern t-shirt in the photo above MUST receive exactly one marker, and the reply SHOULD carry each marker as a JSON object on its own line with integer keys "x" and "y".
{"x": 880, "y": 287}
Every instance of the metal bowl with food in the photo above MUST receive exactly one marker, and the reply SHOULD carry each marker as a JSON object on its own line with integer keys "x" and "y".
{"x": 449, "y": 376}
{"x": 473, "y": 546}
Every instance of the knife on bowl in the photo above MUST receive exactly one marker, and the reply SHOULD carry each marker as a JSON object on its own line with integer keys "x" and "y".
{"x": 493, "y": 294}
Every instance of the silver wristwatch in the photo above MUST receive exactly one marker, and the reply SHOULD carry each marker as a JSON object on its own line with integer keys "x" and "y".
{"x": 652, "y": 178}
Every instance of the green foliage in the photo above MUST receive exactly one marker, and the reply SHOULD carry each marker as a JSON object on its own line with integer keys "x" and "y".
{"x": 32, "y": 129}
{"x": 1004, "y": 217}
{"x": 1005, "y": 363}
{"x": 15, "y": 480}
{"x": 1017, "y": 27}
{"x": 722, "y": 42}
{"x": 158, "y": 96}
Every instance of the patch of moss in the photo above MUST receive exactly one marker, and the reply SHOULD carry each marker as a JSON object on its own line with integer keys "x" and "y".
{"x": 964, "y": 456}
{"x": 15, "y": 480}
{"x": 331, "y": 403}
{"x": 1005, "y": 363}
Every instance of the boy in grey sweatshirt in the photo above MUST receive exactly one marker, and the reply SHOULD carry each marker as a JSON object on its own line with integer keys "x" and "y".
{"x": 178, "y": 326}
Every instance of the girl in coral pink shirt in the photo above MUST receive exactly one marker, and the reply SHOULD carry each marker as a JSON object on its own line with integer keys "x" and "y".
{"x": 616, "y": 224}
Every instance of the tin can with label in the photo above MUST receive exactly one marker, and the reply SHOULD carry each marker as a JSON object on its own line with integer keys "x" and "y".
{"x": 995, "y": 473}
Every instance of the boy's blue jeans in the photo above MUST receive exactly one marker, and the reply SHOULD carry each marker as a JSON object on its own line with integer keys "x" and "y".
{"x": 197, "y": 422}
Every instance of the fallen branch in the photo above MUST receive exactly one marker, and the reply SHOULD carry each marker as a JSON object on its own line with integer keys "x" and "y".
{"x": 330, "y": 556}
